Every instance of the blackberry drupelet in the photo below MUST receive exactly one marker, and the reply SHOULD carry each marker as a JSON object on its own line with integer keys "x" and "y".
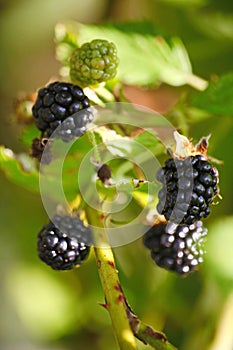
{"x": 64, "y": 242}
{"x": 177, "y": 248}
{"x": 189, "y": 187}
{"x": 94, "y": 62}
{"x": 62, "y": 105}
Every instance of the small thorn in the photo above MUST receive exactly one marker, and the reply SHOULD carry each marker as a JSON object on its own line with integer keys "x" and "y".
{"x": 104, "y": 305}
{"x": 118, "y": 288}
{"x": 121, "y": 298}
{"x": 111, "y": 263}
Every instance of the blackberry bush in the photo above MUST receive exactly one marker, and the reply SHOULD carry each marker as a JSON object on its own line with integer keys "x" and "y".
{"x": 189, "y": 181}
{"x": 177, "y": 248}
{"x": 189, "y": 187}
{"x": 94, "y": 62}
{"x": 64, "y": 243}
{"x": 62, "y": 105}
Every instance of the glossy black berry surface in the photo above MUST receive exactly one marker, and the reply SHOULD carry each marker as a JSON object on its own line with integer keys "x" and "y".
{"x": 189, "y": 187}
{"x": 64, "y": 242}
{"x": 177, "y": 248}
{"x": 62, "y": 105}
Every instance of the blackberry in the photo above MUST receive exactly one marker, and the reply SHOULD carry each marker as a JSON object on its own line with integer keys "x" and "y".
{"x": 94, "y": 62}
{"x": 189, "y": 187}
{"x": 64, "y": 242}
{"x": 62, "y": 105}
{"x": 177, "y": 248}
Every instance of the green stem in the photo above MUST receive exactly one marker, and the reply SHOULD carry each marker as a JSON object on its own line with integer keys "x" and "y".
{"x": 147, "y": 334}
{"x": 115, "y": 301}
{"x": 125, "y": 323}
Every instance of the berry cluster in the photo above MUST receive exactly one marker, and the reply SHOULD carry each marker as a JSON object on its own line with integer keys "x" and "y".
{"x": 94, "y": 62}
{"x": 64, "y": 242}
{"x": 177, "y": 248}
{"x": 62, "y": 107}
{"x": 189, "y": 186}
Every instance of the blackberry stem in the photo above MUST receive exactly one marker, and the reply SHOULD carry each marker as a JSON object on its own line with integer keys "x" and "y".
{"x": 147, "y": 334}
{"x": 114, "y": 297}
{"x": 126, "y": 324}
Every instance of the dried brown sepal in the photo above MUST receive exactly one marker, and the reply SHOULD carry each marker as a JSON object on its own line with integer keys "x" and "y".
{"x": 38, "y": 150}
{"x": 202, "y": 146}
{"x": 104, "y": 173}
{"x": 184, "y": 147}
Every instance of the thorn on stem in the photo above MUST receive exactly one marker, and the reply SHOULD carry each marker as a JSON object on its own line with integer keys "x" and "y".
{"x": 111, "y": 263}
{"x": 120, "y": 298}
{"x": 118, "y": 288}
{"x": 104, "y": 305}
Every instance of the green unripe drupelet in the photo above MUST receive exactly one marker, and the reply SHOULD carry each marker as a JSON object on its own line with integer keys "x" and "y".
{"x": 94, "y": 62}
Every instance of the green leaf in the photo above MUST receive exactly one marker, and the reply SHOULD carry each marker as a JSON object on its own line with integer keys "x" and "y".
{"x": 217, "y": 98}
{"x": 185, "y": 3}
{"x": 28, "y": 134}
{"x": 219, "y": 251}
{"x": 20, "y": 169}
{"x": 216, "y": 25}
{"x": 141, "y": 27}
{"x": 150, "y": 141}
{"x": 145, "y": 59}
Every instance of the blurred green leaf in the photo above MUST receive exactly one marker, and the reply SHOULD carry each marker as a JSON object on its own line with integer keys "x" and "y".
{"x": 219, "y": 252}
{"x": 155, "y": 59}
{"x": 45, "y": 305}
{"x": 150, "y": 141}
{"x": 217, "y": 98}
{"x": 20, "y": 169}
{"x": 184, "y": 3}
{"x": 216, "y": 25}
{"x": 141, "y": 27}
{"x": 28, "y": 134}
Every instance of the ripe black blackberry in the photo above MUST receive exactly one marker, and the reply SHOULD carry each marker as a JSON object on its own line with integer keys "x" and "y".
{"x": 177, "y": 248}
{"x": 94, "y": 62}
{"x": 64, "y": 242}
{"x": 62, "y": 105}
{"x": 189, "y": 187}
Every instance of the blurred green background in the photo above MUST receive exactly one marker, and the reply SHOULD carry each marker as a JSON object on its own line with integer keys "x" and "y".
{"x": 42, "y": 309}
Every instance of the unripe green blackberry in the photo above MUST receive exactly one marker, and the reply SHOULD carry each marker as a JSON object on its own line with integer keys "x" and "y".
{"x": 94, "y": 62}
{"x": 189, "y": 187}
{"x": 62, "y": 107}
{"x": 64, "y": 242}
{"x": 177, "y": 248}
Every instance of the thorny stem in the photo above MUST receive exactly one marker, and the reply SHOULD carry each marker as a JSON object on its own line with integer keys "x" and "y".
{"x": 126, "y": 324}
{"x": 114, "y": 298}
{"x": 147, "y": 334}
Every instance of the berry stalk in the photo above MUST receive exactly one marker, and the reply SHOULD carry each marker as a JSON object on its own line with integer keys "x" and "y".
{"x": 115, "y": 300}
{"x": 147, "y": 334}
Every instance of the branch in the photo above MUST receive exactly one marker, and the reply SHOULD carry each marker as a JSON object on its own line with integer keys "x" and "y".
{"x": 115, "y": 301}
{"x": 147, "y": 334}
